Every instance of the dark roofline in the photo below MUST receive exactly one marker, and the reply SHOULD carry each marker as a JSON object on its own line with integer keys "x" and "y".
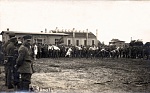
{"x": 34, "y": 33}
{"x": 117, "y": 41}
{"x": 70, "y": 31}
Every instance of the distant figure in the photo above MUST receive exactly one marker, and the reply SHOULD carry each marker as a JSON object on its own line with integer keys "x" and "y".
{"x": 56, "y": 51}
{"x": 35, "y": 51}
{"x": 68, "y": 52}
{"x": 50, "y": 50}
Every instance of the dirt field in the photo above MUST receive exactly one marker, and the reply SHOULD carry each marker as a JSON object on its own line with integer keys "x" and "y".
{"x": 89, "y": 75}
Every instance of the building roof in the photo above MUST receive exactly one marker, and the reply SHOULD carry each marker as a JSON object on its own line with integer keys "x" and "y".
{"x": 78, "y": 34}
{"x": 34, "y": 33}
{"x": 116, "y": 40}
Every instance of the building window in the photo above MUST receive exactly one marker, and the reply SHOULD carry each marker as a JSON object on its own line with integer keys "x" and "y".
{"x": 56, "y": 41}
{"x": 69, "y": 42}
{"x": 77, "y": 42}
{"x": 93, "y": 42}
{"x": 85, "y": 42}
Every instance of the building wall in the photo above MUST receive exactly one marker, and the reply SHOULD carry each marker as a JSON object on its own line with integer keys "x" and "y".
{"x": 50, "y": 39}
{"x": 90, "y": 41}
{"x": 120, "y": 44}
{"x": 46, "y": 39}
{"x": 5, "y": 37}
{"x": 81, "y": 41}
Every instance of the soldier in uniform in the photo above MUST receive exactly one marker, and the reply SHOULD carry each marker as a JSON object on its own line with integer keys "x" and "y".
{"x": 11, "y": 60}
{"x": 16, "y": 78}
{"x": 5, "y": 58}
{"x": 24, "y": 63}
{"x": 11, "y": 34}
{"x": 1, "y": 54}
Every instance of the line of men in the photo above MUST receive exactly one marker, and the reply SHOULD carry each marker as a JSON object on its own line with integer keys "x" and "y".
{"x": 18, "y": 63}
{"x": 53, "y": 51}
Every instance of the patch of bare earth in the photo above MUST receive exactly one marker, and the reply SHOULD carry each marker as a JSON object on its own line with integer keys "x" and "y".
{"x": 82, "y": 75}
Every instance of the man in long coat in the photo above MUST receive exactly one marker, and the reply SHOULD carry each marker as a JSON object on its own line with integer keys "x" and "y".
{"x": 24, "y": 63}
{"x": 5, "y": 59}
{"x": 10, "y": 52}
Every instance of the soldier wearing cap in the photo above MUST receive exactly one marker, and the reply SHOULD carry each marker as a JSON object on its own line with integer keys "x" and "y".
{"x": 11, "y": 34}
{"x": 24, "y": 63}
{"x": 11, "y": 61}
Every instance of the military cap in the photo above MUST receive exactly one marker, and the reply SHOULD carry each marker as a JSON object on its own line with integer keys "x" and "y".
{"x": 13, "y": 39}
{"x": 11, "y": 34}
{"x": 26, "y": 37}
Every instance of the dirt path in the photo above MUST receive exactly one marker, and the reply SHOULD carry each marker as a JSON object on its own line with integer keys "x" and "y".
{"x": 90, "y": 75}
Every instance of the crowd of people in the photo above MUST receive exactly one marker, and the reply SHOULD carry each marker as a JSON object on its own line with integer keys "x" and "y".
{"x": 18, "y": 55}
{"x": 59, "y": 51}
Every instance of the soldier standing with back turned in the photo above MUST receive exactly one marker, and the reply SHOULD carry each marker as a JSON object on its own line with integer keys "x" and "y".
{"x": 24, "y": 63}
{"x": 10, "y": 52}
{"x": 6, "y": 64}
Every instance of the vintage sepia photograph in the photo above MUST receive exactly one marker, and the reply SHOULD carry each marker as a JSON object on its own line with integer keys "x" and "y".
{"x": 75, "y": 46}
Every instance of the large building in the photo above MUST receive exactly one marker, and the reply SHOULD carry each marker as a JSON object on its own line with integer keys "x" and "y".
{"x": 79, "y": 37}
{"x": 117, "y": 43}
{"x": 37, "y": 37}
{"x": 53, "y": 37}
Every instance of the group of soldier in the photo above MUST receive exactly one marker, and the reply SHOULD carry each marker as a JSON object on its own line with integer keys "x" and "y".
{"x": 59, "y": 51}
{"x": 17, "y": 62}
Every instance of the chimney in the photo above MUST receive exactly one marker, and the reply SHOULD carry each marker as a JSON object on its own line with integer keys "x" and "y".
{"x": 73, "y": 28}
{"x": 65, "y": 30}
{"x": 87, "y": 30}
{"x": 7, "y": 29}
{"x": 96, "y": 33}
{"x": 45, "y": 30}
{"x": 73, "y": 31}
{"x": 56, "y": 29}
{"x": 73, "y": 39}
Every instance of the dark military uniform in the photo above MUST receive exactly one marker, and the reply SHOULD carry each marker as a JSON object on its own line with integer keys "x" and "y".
{"x": 5, "y": 56}
{"x": 16, "y": 79}
{"x": 24, "y": 65}
{"x": 1, "y": 54}
{"x": 11, "y": 60}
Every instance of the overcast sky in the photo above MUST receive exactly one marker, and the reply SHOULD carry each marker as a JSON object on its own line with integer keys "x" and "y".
{"x": 113, "y": 19}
